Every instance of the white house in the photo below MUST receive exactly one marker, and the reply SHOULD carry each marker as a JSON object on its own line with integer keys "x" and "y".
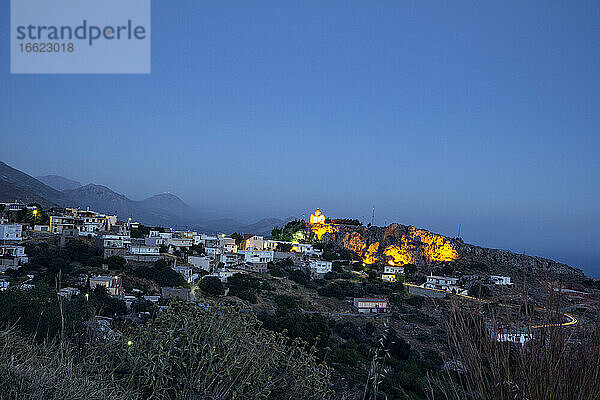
{"x": 304, "y": 248}
{"x": 441, "y": 283}
{"x": 158, "y": 234}
{"x": 224, "y": 273}
{"x": 370, "y": 305}
{"x": 231, "y": 259}
{"x": 153, "y": 299}
{"x": 41, "y": 228}
{"x": 261, "y": 268}
{"x": 155, "y": 241}
{"x": 320, "y": 267}
{"x": 202, "y": 262}
{"x": 11, "y": 232}
{"x": 113, "y": 245}
{"x": 86, "y": 222}
{"x": 392, "y": 273}
{"x": 518, "y": 336}
{"x": 137, "y": 250}
{"x": 271, "y": 244}
{"x": 179, "y": 242}
{"x": 227, "y": 245}
{"x": 500, "y": 280}
{"x": 68, "y": 292}
{"x": 212, "y": 251}
{"x": 257, "y": 256}
{"x": 17, "y": 206}
{"x": 17, "y": 253}
{"x": 207, "y": 240}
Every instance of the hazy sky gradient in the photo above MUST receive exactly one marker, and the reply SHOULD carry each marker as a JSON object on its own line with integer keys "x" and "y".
{"x": 436, "y": 113}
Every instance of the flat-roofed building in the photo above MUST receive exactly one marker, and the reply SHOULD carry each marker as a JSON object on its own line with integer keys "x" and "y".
{"x": 11, "y": 232}
{"x": 372, "y": 305}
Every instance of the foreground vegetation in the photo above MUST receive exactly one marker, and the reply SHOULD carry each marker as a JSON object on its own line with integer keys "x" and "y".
{"x": 273, "y": 336}
{"x": 186, "y": 352}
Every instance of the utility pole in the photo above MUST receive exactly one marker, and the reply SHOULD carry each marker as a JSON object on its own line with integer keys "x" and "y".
{"x": 373, "y": 217}
{"x": 458, "y": 237}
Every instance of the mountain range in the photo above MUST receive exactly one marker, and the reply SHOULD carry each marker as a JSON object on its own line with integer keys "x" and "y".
{"x": 164, "y": 209}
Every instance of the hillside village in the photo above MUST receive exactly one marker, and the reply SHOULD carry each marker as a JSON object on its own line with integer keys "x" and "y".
{"x": 193, "y": 255}
{"x": 303, "y": 279}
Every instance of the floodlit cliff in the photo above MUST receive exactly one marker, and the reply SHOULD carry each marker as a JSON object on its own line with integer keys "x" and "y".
{"x": 399, "y": 244}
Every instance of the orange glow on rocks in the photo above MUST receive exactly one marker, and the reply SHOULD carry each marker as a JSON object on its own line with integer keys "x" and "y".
{"x": 321, "y": 229}
{"x": 436, "y": 247}
{"x": 370, "y": 256}
{"x": 400, "y": 254}
{"x": 355, "y": 242}
{"x": 416, "y": 246}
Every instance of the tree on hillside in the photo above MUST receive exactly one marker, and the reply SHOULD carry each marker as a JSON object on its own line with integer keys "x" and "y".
{"x": 238, "y": 239}
{"x": 116, "y": 262}
{"x": 212, "y": 286}
{"x": 283, "y": 247}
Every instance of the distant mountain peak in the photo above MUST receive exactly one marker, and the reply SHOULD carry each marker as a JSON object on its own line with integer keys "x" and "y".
{"x": 165, "y": 196}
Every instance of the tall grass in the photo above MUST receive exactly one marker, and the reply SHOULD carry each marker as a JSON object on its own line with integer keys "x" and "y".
{"x": 558, "y": 363}
{"x": 52, "y": 371}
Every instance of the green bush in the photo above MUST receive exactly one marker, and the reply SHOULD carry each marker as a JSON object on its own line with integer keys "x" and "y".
{"x": 36, "y": 312}
{"x": 212, "y": 286}
{"x": 162, "y": 274}
{"x": 332, "y": 289}
{"x": 301, "y": 278}
{"x": 189, "y": 352}
{"x": 95, "y": 262}
{"x": 115, "y": 262}
{"x": 286, "y": 301}
{"x": 312, "y": 328}
{"x": 479, "y": 290}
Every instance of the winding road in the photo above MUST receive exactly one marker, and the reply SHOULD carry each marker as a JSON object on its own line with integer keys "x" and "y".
{"x": 571, "y": 319}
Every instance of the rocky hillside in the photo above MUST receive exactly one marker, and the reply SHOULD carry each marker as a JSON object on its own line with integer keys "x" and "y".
{"x": 16, "y": 185}
{"x": 401, "y": 244}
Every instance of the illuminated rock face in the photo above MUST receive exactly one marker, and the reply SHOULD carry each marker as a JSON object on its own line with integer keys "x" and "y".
{"x": 321, "y": 229}
{"x": 436, "y": 247}
{"x": 395, "y": 244}
{"x": 355, "y": 242}
{"x": 400, "y": 244}
{"x": 399, "y": 256}
{"x": 370, "y": 256}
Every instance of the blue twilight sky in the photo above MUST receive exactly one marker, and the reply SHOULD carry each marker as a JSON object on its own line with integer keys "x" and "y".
{"x": 483, "y": 113}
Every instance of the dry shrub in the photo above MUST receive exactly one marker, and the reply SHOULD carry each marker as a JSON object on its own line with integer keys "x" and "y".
{"x": 46, "y": 371}
{"x": 189, "y": 352}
